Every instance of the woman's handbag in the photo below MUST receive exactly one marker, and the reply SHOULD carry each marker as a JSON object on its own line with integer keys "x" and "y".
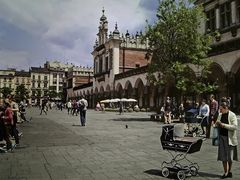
{"x": 214, "y": 135}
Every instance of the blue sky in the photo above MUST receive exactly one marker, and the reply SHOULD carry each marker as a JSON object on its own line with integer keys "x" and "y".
{"x": 33, "y": 31}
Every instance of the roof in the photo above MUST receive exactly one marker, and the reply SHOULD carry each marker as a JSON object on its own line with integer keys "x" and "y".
{"x": 22, "y": 74}
{"x": 83, "y": 86}
{"x": 39, "y": 70}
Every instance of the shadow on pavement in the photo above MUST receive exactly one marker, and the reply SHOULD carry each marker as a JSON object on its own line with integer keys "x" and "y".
{"x": 157, "y": 172}
{"x": 132, "y": 119}
{"x": 76, "y": 125}
{"x": 210, "y": 175}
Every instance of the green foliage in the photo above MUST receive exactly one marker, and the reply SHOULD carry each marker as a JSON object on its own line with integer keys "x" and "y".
{"x": 53, "y": 94}
{"x": 5, "y": 91}
{"x": 175, "y": 43}
{"x": 21, "y": 93}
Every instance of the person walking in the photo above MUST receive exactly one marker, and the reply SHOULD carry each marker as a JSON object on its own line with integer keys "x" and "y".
{"x": 69, "y": 106}
{"x": 6, "y": 121}
{"x": 227, "y": 148}
{"x": 43, "y": 107}
{"x": 82, "y": 104}
{"x": 168, "y": 111}
{"x": 14, "y": 108}
{"x": 213, "y": 114}
{"x": 204, "y": 114}
{"x": 120, "y": 107}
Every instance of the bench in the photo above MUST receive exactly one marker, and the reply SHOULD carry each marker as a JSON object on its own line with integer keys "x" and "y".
{"x": 156, "y": 117}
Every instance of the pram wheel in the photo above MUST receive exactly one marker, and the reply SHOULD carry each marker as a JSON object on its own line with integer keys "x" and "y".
{"x": 193, "y": 171}
{"x": 194, "y": 134}
{"x": 165, "y": 172}
{"x": 181, "y": 175}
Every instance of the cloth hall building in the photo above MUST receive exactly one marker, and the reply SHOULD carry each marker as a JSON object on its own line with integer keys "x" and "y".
{"x": 120, "y": 66}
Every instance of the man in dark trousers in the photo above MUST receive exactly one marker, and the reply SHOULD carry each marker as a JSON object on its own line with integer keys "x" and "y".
{"x": 213, "y": 114}
{"x": 82, "y": 105}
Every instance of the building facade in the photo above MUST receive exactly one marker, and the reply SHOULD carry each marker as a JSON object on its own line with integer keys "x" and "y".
{"x": 47, "y": 81}
{"x": 223, "y": 22}
{"x": 120, "y": 65}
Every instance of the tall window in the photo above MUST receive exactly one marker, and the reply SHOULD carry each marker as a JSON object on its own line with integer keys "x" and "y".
{"x": 45, "y": 78}
{"x": 33, "y": 77}
{"x": 33, "y": 93}
{"x": 238, "y": 10}
{"x": 39, "y": 77}
{"x": 96, "y": 67}
{"x": 225, "y": 15}
{"x": 100, "y": 64}
{"x": 211, "y": 21}
{"x": 106, "y": 64}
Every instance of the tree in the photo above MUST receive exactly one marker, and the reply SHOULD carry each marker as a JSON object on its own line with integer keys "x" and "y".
{"x": 5, "y": 91}
{"x": 21, "y": 93}
{"x": 175, "y": 44}
{"x": 53, "y": 94}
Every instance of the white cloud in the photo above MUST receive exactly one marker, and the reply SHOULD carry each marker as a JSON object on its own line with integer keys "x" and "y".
{"x": 68, "y": 28}
{"x": 14, "y": 59}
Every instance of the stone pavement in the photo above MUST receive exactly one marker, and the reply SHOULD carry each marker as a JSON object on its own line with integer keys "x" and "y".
{"x": 55, "y": 147}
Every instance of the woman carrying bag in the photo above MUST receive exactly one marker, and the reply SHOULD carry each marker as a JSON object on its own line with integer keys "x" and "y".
{"x": 227, "y": 148}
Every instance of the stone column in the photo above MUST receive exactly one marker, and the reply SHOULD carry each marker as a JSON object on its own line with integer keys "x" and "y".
{"x": 233, "y": 12}
{"x": 217, "y": 11}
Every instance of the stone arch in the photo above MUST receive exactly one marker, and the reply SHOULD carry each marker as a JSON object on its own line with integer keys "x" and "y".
{"x": 96, "y": 90}
{"x": 129, "y": 90}
{"x": 88, "y": 93}
{"x": 236, "y": 66}
{"x": 217, "y": 75}
{"x": 101, "y": 89}
{"x": 139, "y": 80}
{"x": 119, "y": 91}
{"x": 139, "y": 91}
{"x": 108, "y": 89}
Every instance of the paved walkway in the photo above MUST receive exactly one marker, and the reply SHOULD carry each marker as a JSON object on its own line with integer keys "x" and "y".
{"x": 54, "y": 146}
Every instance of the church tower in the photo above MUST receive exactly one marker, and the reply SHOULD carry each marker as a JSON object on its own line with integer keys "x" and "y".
{"x": 103, "y": 29}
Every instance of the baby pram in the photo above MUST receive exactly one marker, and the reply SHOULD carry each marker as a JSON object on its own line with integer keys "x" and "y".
{"x": 193, "y": 123}
{"x": 181, "y": 146}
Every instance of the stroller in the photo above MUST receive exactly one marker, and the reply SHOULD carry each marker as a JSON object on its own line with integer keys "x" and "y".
{"x": 181, "y": 146}
{"x": 193, "y": 123}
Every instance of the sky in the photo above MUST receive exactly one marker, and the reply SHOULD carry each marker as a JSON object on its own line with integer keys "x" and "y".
{"x": 35, "y": 31}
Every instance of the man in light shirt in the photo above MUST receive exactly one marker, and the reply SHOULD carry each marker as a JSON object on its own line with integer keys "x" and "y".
{"x": 204, "y": 114}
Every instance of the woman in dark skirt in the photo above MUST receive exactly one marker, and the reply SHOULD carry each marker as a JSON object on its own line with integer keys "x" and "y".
{"x": 227, "y": 149}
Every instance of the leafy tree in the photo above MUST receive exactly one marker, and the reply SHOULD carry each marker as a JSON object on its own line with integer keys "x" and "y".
{"x": 21, "y": 93}
{"x": 53, "y": 94}
{"x": 5, "y": 91}
{"x": 175, "y": 45}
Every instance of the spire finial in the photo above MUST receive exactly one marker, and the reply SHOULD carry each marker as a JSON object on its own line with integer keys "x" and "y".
{"x": 103, "y": 10}
{"x": 116, "y": 29}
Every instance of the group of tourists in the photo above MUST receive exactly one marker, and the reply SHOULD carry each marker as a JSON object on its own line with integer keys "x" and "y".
{"x": 11, "y": 113}
{"x": 214, "y": 114}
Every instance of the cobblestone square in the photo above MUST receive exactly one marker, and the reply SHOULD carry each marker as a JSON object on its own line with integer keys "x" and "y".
{"x": 55, "y": 147}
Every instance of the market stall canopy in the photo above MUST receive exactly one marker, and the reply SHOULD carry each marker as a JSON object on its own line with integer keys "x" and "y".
{"x": 131, "y": 100}
{"x": 106, "y": 101}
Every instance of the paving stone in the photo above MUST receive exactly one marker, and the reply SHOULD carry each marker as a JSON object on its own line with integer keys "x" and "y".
{"x": 52, "y": 148}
